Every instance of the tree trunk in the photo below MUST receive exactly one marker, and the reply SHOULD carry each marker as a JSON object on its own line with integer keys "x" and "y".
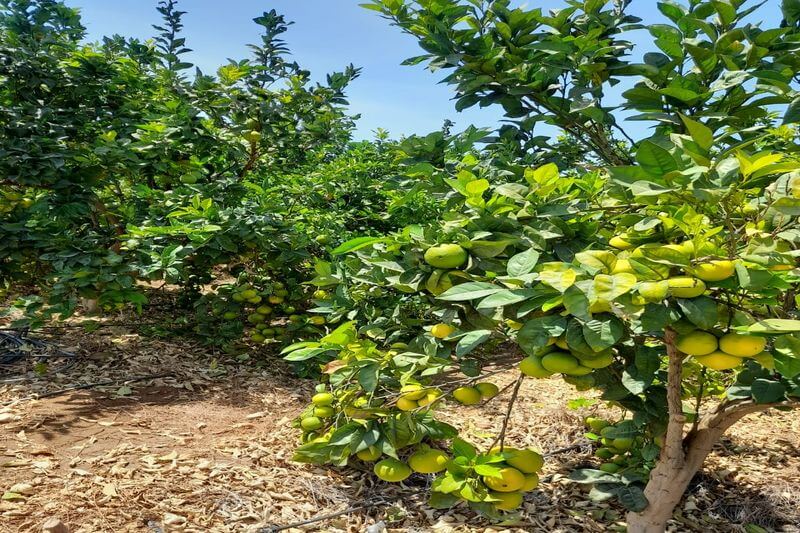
{"x": 681, "y": 457}
{"x": 668, "y": 482}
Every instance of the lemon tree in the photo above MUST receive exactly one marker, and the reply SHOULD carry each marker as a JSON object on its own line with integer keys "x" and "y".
{"x": 660, "y": 272}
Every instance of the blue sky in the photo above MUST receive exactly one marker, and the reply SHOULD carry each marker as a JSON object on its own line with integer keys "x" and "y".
{"x": 326, "y": 36}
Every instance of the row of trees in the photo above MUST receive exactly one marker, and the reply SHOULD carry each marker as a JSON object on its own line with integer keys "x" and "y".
{"x": 660, "y": 272}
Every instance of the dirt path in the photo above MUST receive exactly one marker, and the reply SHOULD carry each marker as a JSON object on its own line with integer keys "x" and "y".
{"x": 209, "y": 450}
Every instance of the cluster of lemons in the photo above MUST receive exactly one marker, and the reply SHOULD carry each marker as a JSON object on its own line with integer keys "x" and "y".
{"x": 614, "y": 450}
{"x": 517, "y": 473}
{"x": 557, "y": 358}
{"x": 724, "y": 352}
{"x": 260, "y": 307}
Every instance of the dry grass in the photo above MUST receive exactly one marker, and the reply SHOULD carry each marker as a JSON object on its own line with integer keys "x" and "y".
{"x": 209, "y": 449}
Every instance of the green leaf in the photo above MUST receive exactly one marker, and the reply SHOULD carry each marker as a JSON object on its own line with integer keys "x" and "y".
{"x": 463, "y": 448}
{"x": 701, "y": 134}
{"x": 536, "y": 332}
{"x": 368, "y": 376}
{"x": 356, "y": 244}
{"x": 774, "y": 325}
{"x": 767, "y": 391}
{"x": 469, "y": 291}
{"x": 602, "y": 334}
{"x": 792, "y": 115}
{"x": 523, "y": 263}
{"x": 505, "y": 297}
{"x": 472, "y": 340}
{"x": 701, "y": 311}
{"x": 632, "y": 498}
{"x": 656, "y": 160}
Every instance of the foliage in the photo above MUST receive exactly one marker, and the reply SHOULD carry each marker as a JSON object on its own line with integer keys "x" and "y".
{"x": 597, "y": 272}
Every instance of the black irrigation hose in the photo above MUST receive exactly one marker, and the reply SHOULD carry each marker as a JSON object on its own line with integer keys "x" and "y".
{"x": 18, "y": 352}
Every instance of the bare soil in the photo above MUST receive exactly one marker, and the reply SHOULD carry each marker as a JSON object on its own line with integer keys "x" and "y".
{"x": 209, "y": 449}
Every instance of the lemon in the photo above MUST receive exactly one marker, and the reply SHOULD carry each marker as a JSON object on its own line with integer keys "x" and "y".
{"x": 370, "y": 454}
{"x": 686, "y": 287}
{"x": 697, "y": 343}
{"x": 596, "y": 424}
{"x": 249, "y": 293}
{"x": 311, "y": 423}
{"x": 507, "y": 501}
{"x": 275, "y": 300}
{"x": 719, "y": 361}
{"x": 654, "y": 291}
{"x": 320, "y": 295}
{"x": 510, "y": 480}
{"x": 601, "y": 361}
{"x": 467, "y": 395}
{"x": 716, "y": 270}
{"x": 620, "y": 242}
{"x": 441, "y": 331}
{"x": 742, "y": 345}
{"x": 413, "y": 392}
{"x": 317, "y": 320}
{"x": 526, "y": 461}
{"x": 324, "y": 411}
{"x": 429, "y": 398}
{"x": 391, "y": 470}
{"x": 622, "y": 443}
{"x": 322, "y": 398}
{"x": 531, "y": 482}
{"x": 230, "y": 315}
{"x": 604, "y": 453}
{"x": 487, "y": 390}
{"x": 428, "y": 461}
{"x": 256, "y": 318}
{"x": 580, "y": 370}
{"x": 560, "y": 362}
{"x": 404, "y": 404}
{"x": 446, "y": 256}
{"x": 532, "y": 367}
{"x": 609, "y": 468}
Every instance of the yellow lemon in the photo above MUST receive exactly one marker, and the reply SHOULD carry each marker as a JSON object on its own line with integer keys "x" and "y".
{"x": 311, "y": 423}
{"x": 370, "y": 454}
{"x": 446, "y": 256}
{"x": 531, "y": 482}
{"x": 487, "y": 390}
{"x": 716, "y": 270}
{"x": 404, "y": 404}
{"x": 428, "y": 461}
{"x": 560, "y": 362}
{"x": 686, "y": 287}
{"x": 322, "y": 398}
{"x": 532, "y": 367}
{"x": 719, "y": 361}
{"x": 507, "y": 501}
{"x": 429, "y": 398}
{"x": 413, "y": 392}
{"x": 391, "y": 470}
{"x": 467, "y": 395}
{"x": 441, "y": 331}
{"x": 654, "y": 291}
{"x": 697, "y": 343}
{"x": 526, "y": 461}
{"x": 742, "y": 345}
{"x": 510, "y": 480}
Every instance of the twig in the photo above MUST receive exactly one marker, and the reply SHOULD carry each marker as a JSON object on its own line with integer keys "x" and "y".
{"x": 565, "y": 449}
{"x": 502, "y": 436}
{"x": 321, "y": 518}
